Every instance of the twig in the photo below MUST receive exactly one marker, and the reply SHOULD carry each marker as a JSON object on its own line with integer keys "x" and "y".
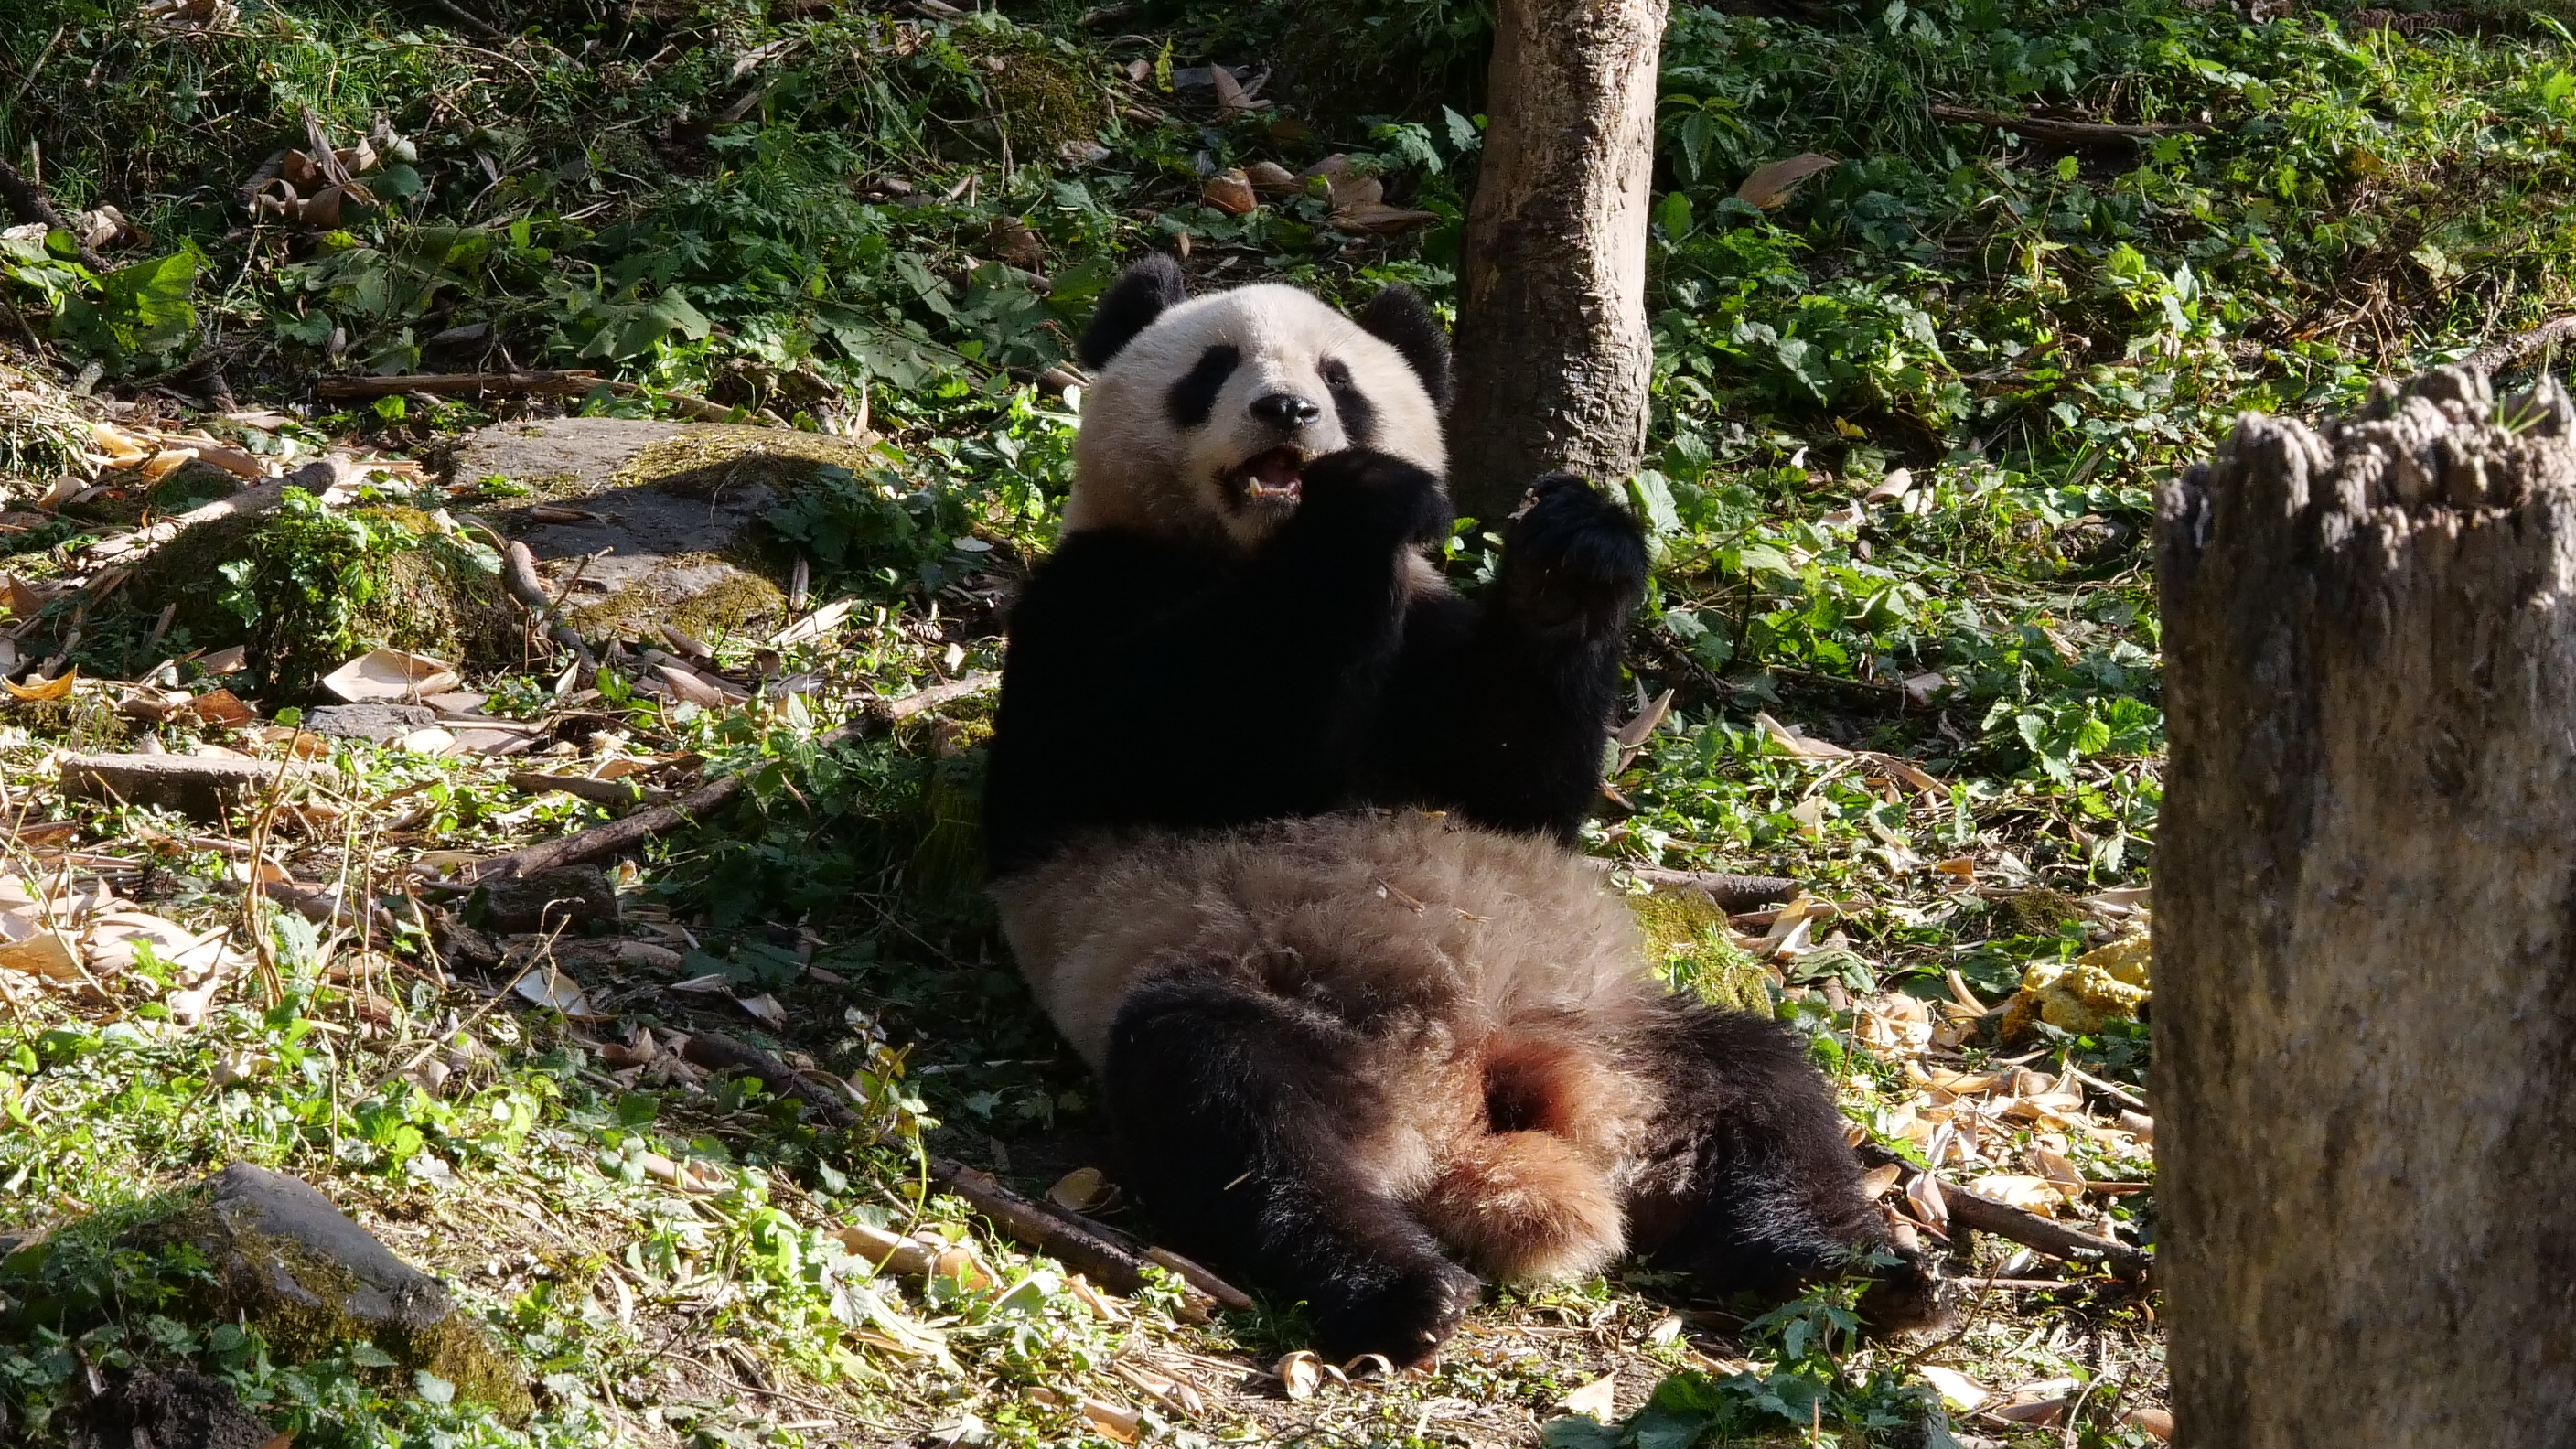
{"x": 28, "y": 202}
{"x": 1072, "y": 1243}
{"x": 622, "y": 835}
{"x": 2522, "y": 347}
{"x": 127, "y": 548}
{"x": 2069, "y": 133}
{"x": 540, "y": 383}
{"x": 1731, "y": 892}
{"x": 2029, "y": 1229}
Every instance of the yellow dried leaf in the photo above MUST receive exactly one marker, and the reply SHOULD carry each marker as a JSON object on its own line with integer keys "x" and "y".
{"x": 164, "y": 463}
{"x": 1230, "y": 192}
{"x": 59, "y": 687}
{"x": 1879, "y": 1179}
{"x": 1117, "y": 1421}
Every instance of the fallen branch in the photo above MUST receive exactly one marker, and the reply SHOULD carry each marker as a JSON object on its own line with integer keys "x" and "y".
{"x": 28, "y": 202}
{"x": 2069, "y": 133}
{"x": 441, "y": 384}
{"x": 617, "y": 836}
{"x": 520, "y": 580}
{"x": 1731, "y": 892}
{"x": 1071, "y": 1243}
{"x": 2522, "y": 347}
{"x": 540, "y": 383}
{"x": 315, "y": 477}
{"x": 2047, "y": 1235}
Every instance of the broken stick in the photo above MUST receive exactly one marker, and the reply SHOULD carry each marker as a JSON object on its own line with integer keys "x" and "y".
{"x": 2069, "y": 133}
{"x": 1076, "y": 1245}
{"x": 2047, "y": 1235}
{"x": 601, "y": 841}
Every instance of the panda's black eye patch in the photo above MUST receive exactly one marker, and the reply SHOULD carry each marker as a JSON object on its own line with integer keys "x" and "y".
{"x": 1358, "y": 414}
{"x": 1194, "y": 396}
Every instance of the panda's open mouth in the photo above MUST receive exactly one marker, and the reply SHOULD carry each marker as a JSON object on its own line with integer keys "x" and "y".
{"x": 1278, "y": 473}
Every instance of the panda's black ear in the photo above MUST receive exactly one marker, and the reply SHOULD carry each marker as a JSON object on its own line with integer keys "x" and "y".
{"x": 1141, "y": 294}
{"x": 1398, "y": 317}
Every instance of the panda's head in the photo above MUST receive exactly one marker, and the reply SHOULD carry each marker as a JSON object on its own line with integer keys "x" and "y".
{"x": 1202, "y": 414}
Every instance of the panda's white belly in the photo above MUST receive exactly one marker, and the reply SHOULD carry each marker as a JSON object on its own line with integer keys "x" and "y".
{"x": 1500, "y": 927}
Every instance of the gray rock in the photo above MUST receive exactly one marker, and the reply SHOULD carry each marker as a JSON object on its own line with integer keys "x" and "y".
{"x": 569, "y": 897}
{"x": 311, "y": 1279}
{"x": 381, "y": 723}
{"x": 676, "y": 507}
{"x": 202, "y": 787}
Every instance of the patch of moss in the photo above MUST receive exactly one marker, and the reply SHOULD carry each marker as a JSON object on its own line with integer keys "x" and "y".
{"x": 2038, "y": 912}
{"x": 1043, "y": 99}
{"x": 1687, "y": 943}
{"x": 730, "y": 605}
{"x": 705, "y": 461}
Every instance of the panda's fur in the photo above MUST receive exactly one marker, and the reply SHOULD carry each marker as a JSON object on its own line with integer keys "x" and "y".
{"x": 1280, "y": 831}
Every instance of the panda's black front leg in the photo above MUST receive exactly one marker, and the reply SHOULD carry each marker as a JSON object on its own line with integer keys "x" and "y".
{"x": 1502, "y": 710}
{"x": 1244, "y": 1124}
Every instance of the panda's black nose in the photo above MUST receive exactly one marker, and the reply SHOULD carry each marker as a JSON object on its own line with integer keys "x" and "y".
{"x": 1285, "y": 410}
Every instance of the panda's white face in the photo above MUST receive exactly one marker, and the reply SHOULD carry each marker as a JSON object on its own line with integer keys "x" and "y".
{"x": 1200, "y": 425}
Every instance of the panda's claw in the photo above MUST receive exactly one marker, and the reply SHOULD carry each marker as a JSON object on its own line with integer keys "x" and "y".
{"x": 1381, "y": 492}
{"x": 1405, "y": 1318}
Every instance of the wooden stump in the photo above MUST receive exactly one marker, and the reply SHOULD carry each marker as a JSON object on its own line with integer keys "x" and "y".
{"x": 2365, "y": 1072}
{"x": 1553, "y": 353}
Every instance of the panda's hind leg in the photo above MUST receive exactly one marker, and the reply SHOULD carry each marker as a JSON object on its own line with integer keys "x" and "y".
{"x": 1744, "y": 1179}
{"x": 1259, "y": 1134}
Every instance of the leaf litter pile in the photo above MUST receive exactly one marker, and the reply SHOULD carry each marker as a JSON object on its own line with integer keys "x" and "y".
{"x": 591, "y": 913}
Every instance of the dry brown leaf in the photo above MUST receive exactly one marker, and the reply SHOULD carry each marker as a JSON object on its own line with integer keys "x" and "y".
{"x": 1596, "y": 1398}
{"x": 1080, "y": 1190}
{"x": 2032, "y": 1411}
{"x": 1300, "y": 1373}
{"x": 813, "y": 625}
{"x": 1897, "y": 483}
{"x": 765, "y": 1009}
{"x": 1380, "y": 219}
{"x": 221, "y": 707}
{"x": 2030, "y": 1194}
{"x": 1232, "y": 99}
{"x": 1770, "y": 184}
{"x": 1924, "y": 1192}
{"x": 1116, "y": 1420}
{"x": 1229, "y": 192}
{"x": 47, "y": 955}
{"x": 690, "y": 688}
{"x": 2158, "y": 1422}
{"x": 1638, "y": 730}
{"x": 550, "y": 988}
{"x": 1955, "y": 1388}
{"x": 1269, "y": 178}
{"x": 390, "y": 676}
{"x": 1879, "y": 1179}
{"x": 688, "y": 1175}
{"x": 226, "y": 660}
{"x": 1795, "y": 743}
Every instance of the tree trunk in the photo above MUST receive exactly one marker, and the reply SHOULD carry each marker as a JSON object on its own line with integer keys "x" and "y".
{"x": 1553, "y": 356}
{"x": 2365, "y": 912}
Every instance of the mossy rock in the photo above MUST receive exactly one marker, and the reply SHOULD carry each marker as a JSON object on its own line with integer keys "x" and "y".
{"x": 430, "y": 597}
{"x": 636, "y": 522}
{"x": 1686, "y": 938}
{"x": 311, "y": 1280}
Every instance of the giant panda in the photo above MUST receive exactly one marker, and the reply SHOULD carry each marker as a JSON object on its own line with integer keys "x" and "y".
{"x": 1280, "y": 830}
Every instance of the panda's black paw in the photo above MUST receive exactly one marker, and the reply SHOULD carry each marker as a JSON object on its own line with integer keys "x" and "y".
{"x": 1406, "y": 1315}
{"x": 1906, "y": 1297}
{"x": 1377, "y": 492}
{"x": 1571, "y": 551}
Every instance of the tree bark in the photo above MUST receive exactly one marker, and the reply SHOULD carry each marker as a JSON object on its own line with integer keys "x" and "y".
{"x": 2365, "y": 1009}
{"x": 1553, "y": 355}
